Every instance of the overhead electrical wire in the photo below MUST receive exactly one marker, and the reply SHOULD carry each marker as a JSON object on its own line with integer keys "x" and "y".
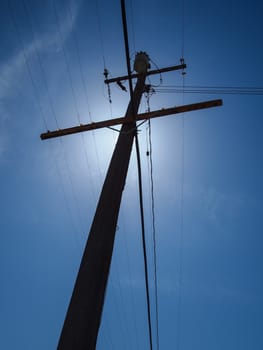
{"x": 122, "y": 321}
{"x": 77, "y": 49}
{"x": 58, "y": 24}
{"x": 154, "y": 235}
{"x": 132, "y": 25}
{"x": 84, "y": 83}
{"x": 144, "y": 241}
{"x": 36, "y": 94}
{"x": 121, "y": 299}
{"x": 30, "y": 73}
{"x": 183, "y": 29}
{"x": 225, "y": 90}
{"x": 100, "y": 34}
{"x": 66, "y": 61}
{"x": 148, "y": 94}
{"x": 25, "y": 6}
{"x": 181, "y": 213}
{"x": 98, "y": 15}
{"x": 106, "y": 72}
{"x": 85, "y": 88}
{"x": 127, "y": 52}
{"x": 127, "y": 254}
{"x": 181, "y": 232}
{"x": 50, "y": 101}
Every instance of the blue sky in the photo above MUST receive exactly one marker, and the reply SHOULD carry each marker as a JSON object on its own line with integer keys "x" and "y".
{"x": 207, "y": 171}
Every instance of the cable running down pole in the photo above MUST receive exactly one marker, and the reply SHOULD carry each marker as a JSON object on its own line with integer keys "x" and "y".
{"x": 142, "y": 70}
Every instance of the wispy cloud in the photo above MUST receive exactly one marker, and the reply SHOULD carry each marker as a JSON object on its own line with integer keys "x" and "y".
{"x": 17, "y": 64}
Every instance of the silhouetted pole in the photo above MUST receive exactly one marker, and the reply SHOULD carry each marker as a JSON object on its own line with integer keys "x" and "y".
{"x": 83, "y": 317}
{"x": 81, "y": 325}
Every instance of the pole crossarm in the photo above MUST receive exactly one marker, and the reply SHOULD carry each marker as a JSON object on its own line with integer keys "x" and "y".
{"x": 124, "y": 120}
{"x": 150, "y": 72}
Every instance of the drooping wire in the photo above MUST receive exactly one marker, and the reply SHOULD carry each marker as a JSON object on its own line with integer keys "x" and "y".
{"x": 181, "y": 230}
{"x": 149, "y": 153}
{"x": 160, "y": 74}
{"x": 144, "y": 242}
{"x": 127, "y": 52}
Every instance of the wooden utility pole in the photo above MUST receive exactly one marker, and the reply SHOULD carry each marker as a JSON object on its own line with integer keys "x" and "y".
{"x": 84, "y": 313}
{"x": 83, "y": 317}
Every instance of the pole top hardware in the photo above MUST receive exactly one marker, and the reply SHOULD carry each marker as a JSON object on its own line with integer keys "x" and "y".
{"x": 141, "y": 62}
{"x": 150, "y": 72}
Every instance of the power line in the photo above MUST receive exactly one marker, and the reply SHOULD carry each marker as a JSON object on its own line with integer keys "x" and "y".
{"x": 84, "y": 84}
{"x": 62, "y": 185}
{"x": 83, "y": 80}
{"x": 154, "y": 236}
{"x": 100, "y": 33}
{"x": 40, "y": 62}
{"x": 181, "y": 229}
{"x": 27, "y": 64}
{"x": 37, "y": 95}
{"x": 103, "y": 53}
{"x": 218, "y": 87}
{"x": 72, "y": 87}
{"x": 33, "y": 33}
{"x": 130, "y": 278}
{"x": 127, "y": 52}
{"x": 132, "y": 24}
{"x": 66, "y": 62}
{"x": 227, "y": 90}
{"x": 122, "y": 321}
{"x": 183, "y": 29}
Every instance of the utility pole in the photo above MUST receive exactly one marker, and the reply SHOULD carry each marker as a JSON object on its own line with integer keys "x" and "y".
{"x": 81, "y": 325}
{"x": 83, "y": 316}
{"x": 84, "y": 312}
{"x": 82, "y": 321}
